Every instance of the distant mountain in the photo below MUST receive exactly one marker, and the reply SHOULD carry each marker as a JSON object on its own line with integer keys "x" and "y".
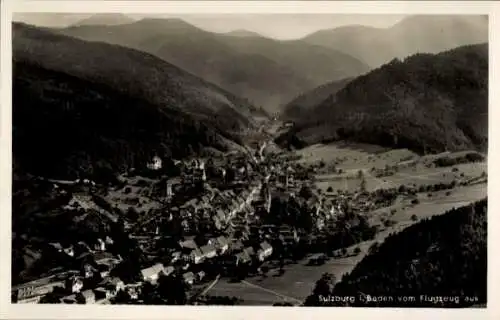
{"x": 427, "y": 103}
{"x": 267, "y": 72}
{"x": 303, "y": 104}
{"x": 105, "y": 19}
{"x": 444, "y": 255}
{"x": 415, "y": 34}
{"x": 242, "y": 33}
{"x": 81, "y": 107}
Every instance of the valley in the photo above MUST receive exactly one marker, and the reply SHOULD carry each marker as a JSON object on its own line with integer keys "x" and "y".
{"x": 181, "y": 166}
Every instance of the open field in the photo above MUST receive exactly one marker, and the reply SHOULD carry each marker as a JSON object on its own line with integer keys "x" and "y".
{"x": 134, "y": 195}
{"x": 354, "y": 157}
{"x": 299, "y": 279}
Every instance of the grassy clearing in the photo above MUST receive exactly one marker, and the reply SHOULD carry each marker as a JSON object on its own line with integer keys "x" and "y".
{"x": 354, "y": 157}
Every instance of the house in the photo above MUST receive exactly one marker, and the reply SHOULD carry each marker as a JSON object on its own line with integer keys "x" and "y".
{"x": 250, "y": 251}
{"x": 114, "y": 285}
{"x": 101, "y": 293}
{"x": 320, "y": 223}
{"x": 236, "y": 246}
{"x": 176, "y": 256}
{"x": 188, "y": 244}
{"x": 71, "y": 299}
{"x": 69, "y": 251}
{"x": 188, "y": 277}
{"x": 100, "y": 245}
{"x": 152, "y": 273}
{"x": 87, "y": 297}
{"x": 196, "y": 256}
{"x": 83, "y": 247}
{"x": 221, "y": 215}
{"x": 106, "y": 258}
{"x": 265, "y": 250}
{"x": 33, "y": 291}
{"x": 168, "y": 270}
{"x": 217, "y": 222}
{"x": 200, "y": 275}
{"x": 88, "y": 270}
{"x": 208, "y": 251}
{"x": 76, "y": 285}
{"x": 242, "y": 258}
{"x": 109, "y": 240}
{"x": 57, "y": 246}
{"x": 133, "y": 293}
{"x": 155, "y": 164}
{"x": 222, "y": 244}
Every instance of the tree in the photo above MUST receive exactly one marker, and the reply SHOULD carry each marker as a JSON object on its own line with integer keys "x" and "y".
{"x": 305, "y": 192}
{"x": 360, "y": 174}
{"x": 172, "y": 290}
{"x": 323, "y": 288}
{"x": 363, "y": 184}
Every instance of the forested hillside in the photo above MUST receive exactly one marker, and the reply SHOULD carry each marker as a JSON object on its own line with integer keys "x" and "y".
{"x": 65, "y": 127}
{"x": 303, "y": 104}
{"x": 445, "y": 256}
{"x": 134, "y": 73}
{"x": 426, "y": 102}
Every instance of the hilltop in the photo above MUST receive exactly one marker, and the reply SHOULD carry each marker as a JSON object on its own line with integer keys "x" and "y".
{"x": 233, "y": 62}
{"x": 426, "y": 103}
{"x": 415, "y": 34}
{"x": 242, "y": 33}
{"x": 105, "y": 19}
{"x": 444, "y": 256}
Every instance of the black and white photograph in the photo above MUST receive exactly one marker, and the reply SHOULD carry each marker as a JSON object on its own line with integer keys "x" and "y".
{"x": 217, "y": 159}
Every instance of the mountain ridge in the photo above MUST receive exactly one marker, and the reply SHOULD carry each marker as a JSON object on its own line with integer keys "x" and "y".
{"x": 233, "y": 63}
{"x": 414, "y": 34}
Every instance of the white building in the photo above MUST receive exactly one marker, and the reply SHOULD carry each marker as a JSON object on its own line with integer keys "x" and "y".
{"x": 156, "y": 164}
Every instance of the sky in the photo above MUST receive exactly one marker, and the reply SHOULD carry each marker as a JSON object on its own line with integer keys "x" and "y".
{"x": 278, "y": 26}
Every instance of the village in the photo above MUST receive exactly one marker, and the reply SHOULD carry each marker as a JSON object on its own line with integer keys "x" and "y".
{"x": 172, "y": 237}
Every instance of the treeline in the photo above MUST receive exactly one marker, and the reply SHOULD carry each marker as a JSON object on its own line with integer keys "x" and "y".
{"x": 441, "y": 262}
{"x": 466, "y": 158}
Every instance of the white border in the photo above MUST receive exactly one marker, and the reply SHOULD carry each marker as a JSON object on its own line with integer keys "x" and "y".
{"x": 12, "y": 311}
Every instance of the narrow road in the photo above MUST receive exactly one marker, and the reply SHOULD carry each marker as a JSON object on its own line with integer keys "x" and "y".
{"x": 204, "y": 292}
{"x": 285, "y": 297}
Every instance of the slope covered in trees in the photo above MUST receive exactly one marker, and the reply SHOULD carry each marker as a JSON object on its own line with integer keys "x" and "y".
{"x": 134, "y": 73}
{"x": 266, "y": 71}
{"x": 441, "y": 262}
{"x": 64, "y": 127}
{"x": 303, "y": 104}
{"x": 426, "y": 103}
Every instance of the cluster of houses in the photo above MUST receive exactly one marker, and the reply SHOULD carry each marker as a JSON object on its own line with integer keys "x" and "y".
{"x": 89, "y": 282}
{"x": 191, "y": 258}
{"x": 234, "y": 235}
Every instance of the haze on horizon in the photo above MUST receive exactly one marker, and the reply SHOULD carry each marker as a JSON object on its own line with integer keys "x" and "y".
{"x": 278, "y": 26}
